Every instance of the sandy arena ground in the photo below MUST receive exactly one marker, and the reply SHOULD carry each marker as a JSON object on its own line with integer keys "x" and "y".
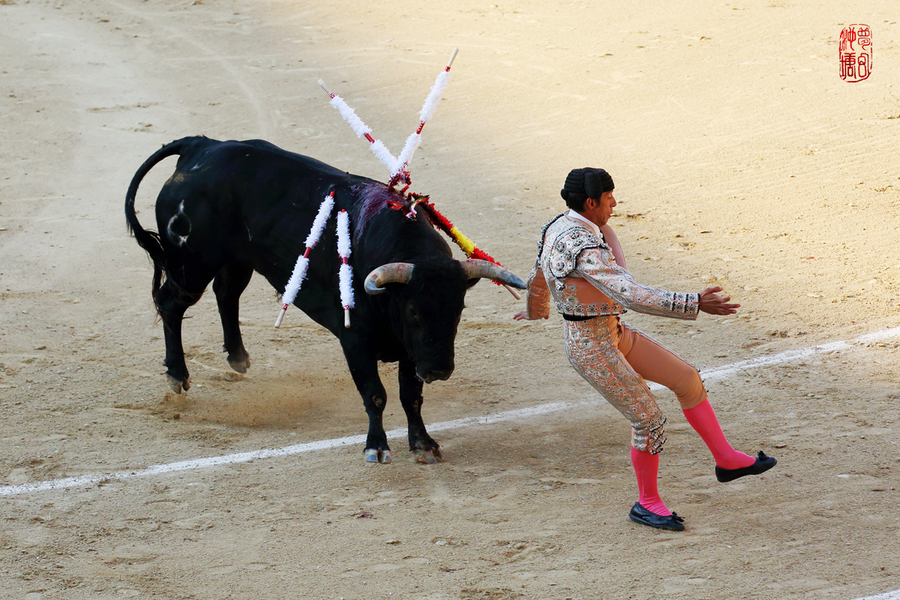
{"x": 740, "y": 159}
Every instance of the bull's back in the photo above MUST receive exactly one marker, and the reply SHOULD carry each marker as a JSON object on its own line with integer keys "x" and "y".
{"x": 253, "y": 202}
{"x": 225, "y": 169}
{"x": 253, "y": 182}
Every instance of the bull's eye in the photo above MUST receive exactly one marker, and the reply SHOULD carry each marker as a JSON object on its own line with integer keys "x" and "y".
{"x": 413, "y": 314}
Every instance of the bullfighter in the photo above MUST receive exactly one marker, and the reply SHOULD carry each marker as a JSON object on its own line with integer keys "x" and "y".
{"x": 581, "y": 267}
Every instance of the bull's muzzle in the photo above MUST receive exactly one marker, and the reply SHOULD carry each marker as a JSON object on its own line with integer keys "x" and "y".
{"x": 430, "y": 375}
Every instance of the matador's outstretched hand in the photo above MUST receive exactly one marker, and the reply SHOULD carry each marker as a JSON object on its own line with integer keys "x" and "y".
{"x": 714, "y": 304}
{"x": 523, "y": 316}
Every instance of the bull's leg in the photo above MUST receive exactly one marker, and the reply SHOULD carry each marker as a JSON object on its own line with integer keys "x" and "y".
{"x": 421, "y": 444}
{"x": 364, "y": 370}
{"x": 228, "y": 285}
{"x": 172, "y": 301}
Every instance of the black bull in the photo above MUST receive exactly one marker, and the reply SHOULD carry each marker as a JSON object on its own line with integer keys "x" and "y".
{"x": 232, "y": 208}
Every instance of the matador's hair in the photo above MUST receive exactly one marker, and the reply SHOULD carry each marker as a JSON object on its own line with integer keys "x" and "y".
{"x": 584, "y": 183}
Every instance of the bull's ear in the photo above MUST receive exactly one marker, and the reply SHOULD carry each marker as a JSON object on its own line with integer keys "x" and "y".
{"x": 472, "y": 282}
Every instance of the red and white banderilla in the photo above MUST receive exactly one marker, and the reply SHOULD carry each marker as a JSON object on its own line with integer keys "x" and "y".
{"x": 428, "y": 110}
{"x": 300, "y": 268}
{"x": 346, "y": 272}
{"x": 361, "y": 129}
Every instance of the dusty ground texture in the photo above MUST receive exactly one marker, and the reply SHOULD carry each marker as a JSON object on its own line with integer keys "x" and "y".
{"x": 740, "y": 158}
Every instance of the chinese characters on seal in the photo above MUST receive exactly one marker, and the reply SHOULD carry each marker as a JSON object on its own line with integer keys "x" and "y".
{"x": 855, "y": 53}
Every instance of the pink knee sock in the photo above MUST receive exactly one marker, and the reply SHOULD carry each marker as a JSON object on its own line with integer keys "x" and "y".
{"x": 703, "y": 419}
{"x": 646, "y": 466}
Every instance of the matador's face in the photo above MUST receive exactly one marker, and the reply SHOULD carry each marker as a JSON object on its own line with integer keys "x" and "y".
{"x": 599, "y": 211}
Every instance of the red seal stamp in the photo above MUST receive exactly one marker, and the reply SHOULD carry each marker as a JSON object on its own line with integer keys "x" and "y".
{"x": 855, "y": 53}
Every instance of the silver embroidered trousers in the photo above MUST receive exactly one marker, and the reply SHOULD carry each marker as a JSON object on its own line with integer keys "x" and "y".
{"x": 618, "y": 360}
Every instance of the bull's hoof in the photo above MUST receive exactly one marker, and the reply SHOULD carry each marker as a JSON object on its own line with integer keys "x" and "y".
{"x": 179, "y": 386}
{"x": 429, "y": 457}
{"x": 378, "y": 456}
{"x": 239, "y": 364}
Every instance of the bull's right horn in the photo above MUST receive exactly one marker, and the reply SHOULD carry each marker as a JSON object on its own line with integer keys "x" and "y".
{"x": 475, "y": 268}
{"x": 389, "y": 273}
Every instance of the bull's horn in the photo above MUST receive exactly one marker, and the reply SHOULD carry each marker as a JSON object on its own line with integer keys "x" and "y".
{"x": 389, "y": 273}
{"x": 475, "y": 268}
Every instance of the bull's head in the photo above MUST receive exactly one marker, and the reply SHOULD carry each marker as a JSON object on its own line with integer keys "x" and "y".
{"x": 429, "y": 305}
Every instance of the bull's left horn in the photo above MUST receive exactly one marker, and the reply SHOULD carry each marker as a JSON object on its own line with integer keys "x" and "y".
{"x": 389, "y": 273}
{"x": 475, "y": 269}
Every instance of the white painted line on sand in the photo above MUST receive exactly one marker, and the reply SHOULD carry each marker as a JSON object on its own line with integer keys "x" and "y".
{"x": 244, "y": 457}
{"x": 512, "y": 415}
{"x": 895, "y": 595}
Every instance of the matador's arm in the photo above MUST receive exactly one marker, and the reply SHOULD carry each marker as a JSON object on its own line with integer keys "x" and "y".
{"x": 612, "y": 240}
{"x": 598, "y": 267}
{"x": 537, "y": 299}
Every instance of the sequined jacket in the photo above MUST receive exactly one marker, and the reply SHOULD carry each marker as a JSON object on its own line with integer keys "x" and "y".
{"x": 578, "y": 271}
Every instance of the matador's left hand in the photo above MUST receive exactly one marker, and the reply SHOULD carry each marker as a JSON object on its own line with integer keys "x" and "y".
{"x": 714, "y": 304}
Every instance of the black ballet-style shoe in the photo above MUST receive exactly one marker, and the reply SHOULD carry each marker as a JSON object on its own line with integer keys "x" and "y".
{"x": 763, "y": 463}
{"x": 641, "y": 515}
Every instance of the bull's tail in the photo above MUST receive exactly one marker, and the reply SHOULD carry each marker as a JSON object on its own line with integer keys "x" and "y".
{"x": 149, "y": 240}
